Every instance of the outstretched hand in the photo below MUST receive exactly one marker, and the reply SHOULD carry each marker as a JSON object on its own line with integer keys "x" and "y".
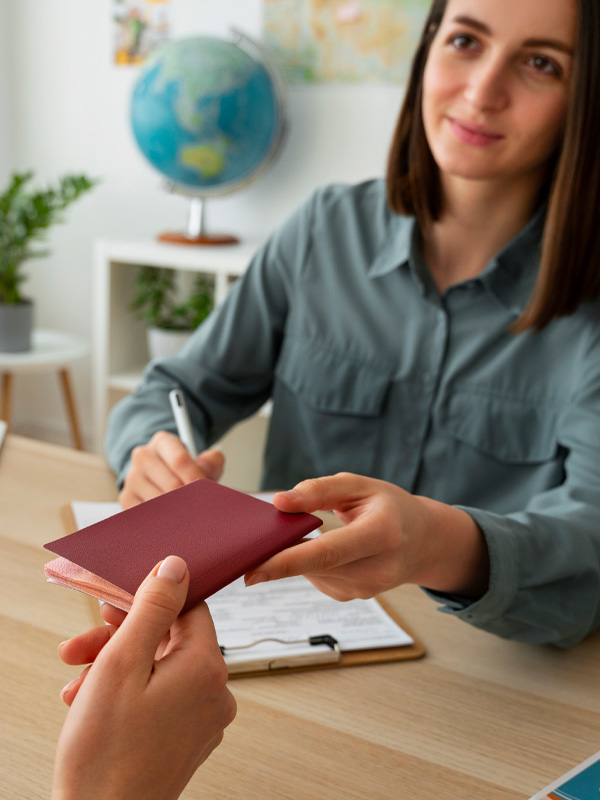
{"x": 153, "y": 704}
{"x": 390, "y": 537}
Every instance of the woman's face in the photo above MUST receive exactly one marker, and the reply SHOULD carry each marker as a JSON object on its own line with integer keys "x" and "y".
{"x": 495, "y": 87}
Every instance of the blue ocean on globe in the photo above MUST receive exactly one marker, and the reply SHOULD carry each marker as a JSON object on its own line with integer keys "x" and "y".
{"x": 206, "y": 114}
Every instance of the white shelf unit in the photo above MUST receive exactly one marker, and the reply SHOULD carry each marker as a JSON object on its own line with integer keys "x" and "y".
{"x": 119, "y": 350}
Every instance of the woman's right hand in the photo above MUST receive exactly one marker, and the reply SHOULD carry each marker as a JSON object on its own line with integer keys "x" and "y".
{"x": 165, "y": 464}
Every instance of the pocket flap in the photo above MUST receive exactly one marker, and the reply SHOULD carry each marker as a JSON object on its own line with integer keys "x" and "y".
{"x": 510, "y": 430}
{"x": 330, "y": 382}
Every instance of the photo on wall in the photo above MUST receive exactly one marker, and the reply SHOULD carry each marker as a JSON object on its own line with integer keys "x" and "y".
{"x": 139, "y": 26}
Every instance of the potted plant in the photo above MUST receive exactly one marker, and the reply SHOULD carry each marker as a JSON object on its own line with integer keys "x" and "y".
{"x": 25, "y": 217}
{"x": 170, "y": 318}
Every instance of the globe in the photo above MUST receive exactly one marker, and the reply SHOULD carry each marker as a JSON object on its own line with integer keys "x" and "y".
{"x": 209, "y": 115}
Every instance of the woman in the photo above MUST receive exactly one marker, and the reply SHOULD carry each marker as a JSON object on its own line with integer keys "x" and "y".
{"x": 439, "y": 332}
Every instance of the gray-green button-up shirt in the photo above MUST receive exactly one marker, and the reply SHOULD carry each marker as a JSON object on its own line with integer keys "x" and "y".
{"x": 372, "y": 371}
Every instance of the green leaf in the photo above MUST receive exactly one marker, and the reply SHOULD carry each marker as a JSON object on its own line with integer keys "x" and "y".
{"x": 156, "y": 303}
{"x": 25, "y": 217}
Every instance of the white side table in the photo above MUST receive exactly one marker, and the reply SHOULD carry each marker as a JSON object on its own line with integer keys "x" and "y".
{"x": 50, "y": 350}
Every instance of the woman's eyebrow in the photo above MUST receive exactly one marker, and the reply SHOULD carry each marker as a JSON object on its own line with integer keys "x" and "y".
{"x": 555, "y": 44}
{"x": 473, "y": 23}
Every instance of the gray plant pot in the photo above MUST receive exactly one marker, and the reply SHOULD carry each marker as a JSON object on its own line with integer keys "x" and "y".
{"x": 163, "y": 342}
{"x": 16, "y": 323}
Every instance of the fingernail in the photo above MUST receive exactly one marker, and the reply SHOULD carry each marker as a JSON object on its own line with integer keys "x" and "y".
{"x": 61, "y": 644}
{"x": 258, "y": 577}
{"x": 65, "y": 690}
{"x": 292, "y": 494}
{"x": 173, "y": 569}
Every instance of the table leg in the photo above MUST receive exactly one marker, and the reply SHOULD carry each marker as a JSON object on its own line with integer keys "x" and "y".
{"x": 70, "y": 403}
{"x": 6, "y": 397}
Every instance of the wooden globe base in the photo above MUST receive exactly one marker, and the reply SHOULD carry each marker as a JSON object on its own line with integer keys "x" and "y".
{"x": 176, "y": 237}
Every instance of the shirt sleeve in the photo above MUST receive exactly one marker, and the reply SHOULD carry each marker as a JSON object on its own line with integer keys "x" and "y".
{"x": 545, "y": 559}
{"x": 226, "y": 368}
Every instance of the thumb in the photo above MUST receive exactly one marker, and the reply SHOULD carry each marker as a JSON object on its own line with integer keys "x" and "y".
{"x": 156, "y": 606}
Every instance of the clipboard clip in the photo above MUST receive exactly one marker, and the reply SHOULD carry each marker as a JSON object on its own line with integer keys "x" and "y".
{"x": 331, "y": 655}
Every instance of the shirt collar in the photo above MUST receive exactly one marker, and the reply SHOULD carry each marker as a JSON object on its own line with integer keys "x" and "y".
{"x": 396, "y": 248}
{"x": 510, "y": 276}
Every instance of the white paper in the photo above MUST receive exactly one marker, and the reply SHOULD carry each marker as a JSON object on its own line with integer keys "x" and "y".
{"x": 289, "y": 610}
{"x": 87, "y": 513}
{"x": 293, "y": 609}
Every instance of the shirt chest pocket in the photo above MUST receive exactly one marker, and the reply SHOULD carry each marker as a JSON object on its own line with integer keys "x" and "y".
{"x": 506, "y": 430}
{"x": 334, "y": 406}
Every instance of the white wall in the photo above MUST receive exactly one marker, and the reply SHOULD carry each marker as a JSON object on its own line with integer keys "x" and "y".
{"x": 67, "y": 111}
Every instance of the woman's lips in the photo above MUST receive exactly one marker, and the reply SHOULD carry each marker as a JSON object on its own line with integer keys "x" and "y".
{"x": 473, "y": 134}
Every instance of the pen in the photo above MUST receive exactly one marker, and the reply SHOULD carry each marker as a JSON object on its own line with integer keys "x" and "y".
{"x": 182, "y": 420}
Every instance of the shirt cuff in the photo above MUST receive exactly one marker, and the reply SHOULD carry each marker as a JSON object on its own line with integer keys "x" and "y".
{"x": 500, "y": 537}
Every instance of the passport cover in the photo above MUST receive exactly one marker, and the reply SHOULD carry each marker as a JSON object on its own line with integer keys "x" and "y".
{"x": 220, "y": 532}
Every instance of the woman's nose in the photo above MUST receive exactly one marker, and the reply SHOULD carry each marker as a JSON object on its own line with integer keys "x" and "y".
{"x": 487, "y": 86}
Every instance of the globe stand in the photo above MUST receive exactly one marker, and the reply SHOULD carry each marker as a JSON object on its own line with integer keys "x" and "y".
{"x": 196, "y": 233}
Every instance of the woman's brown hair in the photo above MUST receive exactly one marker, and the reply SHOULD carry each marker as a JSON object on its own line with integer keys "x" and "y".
{"x": 569, "y": 271}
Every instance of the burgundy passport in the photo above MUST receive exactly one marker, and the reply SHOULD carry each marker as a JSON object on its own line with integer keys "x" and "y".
{"x": 220, "y": 532}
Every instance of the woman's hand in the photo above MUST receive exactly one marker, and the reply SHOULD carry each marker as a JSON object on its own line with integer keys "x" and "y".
{"x": 390, "y": 537}
{"x": 154, "y": 703}
{"x": 164, "y": 464}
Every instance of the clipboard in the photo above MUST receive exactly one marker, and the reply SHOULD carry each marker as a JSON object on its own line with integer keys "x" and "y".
{"x": 328, "y": 655}
{"x": 349, "y": 658}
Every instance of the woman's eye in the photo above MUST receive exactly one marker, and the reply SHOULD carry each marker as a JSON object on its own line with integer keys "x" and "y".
{"x": 461, "y": 41}
{"x": 544, "y": 65}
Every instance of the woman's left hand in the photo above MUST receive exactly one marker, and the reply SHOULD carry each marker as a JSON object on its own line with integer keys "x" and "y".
{"x": 390, "y": 537}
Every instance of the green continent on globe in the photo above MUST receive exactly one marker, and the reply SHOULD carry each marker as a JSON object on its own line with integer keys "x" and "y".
{"x": 224, "y": 69}
{"x": 204, "y": 159}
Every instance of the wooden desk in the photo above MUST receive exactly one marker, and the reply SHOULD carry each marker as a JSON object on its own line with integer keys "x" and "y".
{"x": 477, "y": 718}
